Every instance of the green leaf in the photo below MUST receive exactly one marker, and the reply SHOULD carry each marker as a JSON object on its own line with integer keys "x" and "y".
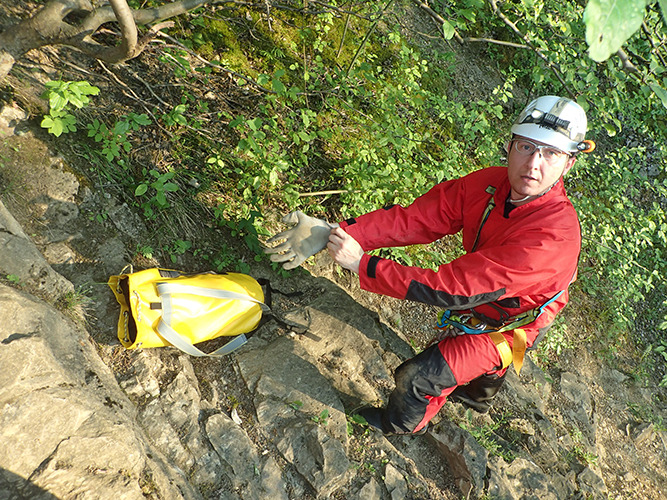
{"x": 660, "y": 92}
{"x": 56, "y": 127}
{"x": 609, "y": 23}
{"x": 141, "y": 119}
{"x": 57, "y": 102}
{"x": 358, "y": 419}
{"x": 121, "y": 128}
{"x": 448, "y": 30}
{"x": 277, "y": 86}
{"x": 141, "y": 190}
{"x": 273, "y": 177}
{"x": 161, "y": 199}
{"x": 255, "y": 124}
{"x": 304, "y": 136}
{"x": 47, "y": 122}
{"x": 611, "y": 131}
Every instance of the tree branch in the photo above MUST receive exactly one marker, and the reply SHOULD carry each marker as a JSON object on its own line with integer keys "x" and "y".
{"x": 437, "y": 17}
{"x": 627, "y": 63}
{"x": 48, "y": 27}
{"x": 497, "y": 42}
{"x": 512, "y": 26}
{"x": 128, "y": 28}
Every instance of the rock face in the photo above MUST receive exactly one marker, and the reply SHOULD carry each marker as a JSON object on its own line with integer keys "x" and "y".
{"x": 20, "y": 258}
{"x": 66, "y": 426}
{"x": 80, "y": 417}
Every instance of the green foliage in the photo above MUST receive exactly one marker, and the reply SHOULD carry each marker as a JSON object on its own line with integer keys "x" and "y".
{"x": 154, "y": 191}
{"x": 62, "y": 96}
{"x": 322, "y": 418}
{"x": 145, "y": 250}
{"x": 610, "y": 24}
{"x": 485, "y": 435}
{"x": 115, "y": 140}
{"x": 624, "y": 232}
{"x": 353, "y": 420}
{"x": 661, "y": 350}
{"x": 296, "y": 405}
{"x": 14, "y": 279}
{"x": 647, "y": 413}
{"x": 178, "y": 248}
{"x": 176, "y": 116}
{"x": 556, "y": 342}
{"x": 178, "y": 61}
{"x": 579, "y": 451}
{"x": 242, "y": 219}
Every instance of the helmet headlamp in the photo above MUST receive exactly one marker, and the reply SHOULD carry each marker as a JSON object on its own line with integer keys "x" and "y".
{"x": 546, "y": 120}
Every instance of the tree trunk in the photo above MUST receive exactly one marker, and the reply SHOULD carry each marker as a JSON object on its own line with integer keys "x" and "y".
{"x": 48, "y": 27}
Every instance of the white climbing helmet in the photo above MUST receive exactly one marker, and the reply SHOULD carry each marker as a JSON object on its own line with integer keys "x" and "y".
{"x": 556, "y": 121}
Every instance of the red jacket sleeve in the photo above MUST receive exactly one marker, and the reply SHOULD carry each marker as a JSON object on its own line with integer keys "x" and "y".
{"x": 430, "y": 217}
{"x": 526, "y": 256}
{"x": 523, "y": 267}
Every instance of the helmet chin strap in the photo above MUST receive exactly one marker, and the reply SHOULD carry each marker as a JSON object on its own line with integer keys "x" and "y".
{"x": 521, "y": 200}
{"x": 512, "y": 200}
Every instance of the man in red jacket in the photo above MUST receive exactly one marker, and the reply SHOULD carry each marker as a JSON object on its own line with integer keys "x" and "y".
{"x": 522, "y": 240}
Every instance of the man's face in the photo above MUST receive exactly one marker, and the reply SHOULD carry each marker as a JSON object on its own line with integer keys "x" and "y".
{"x": 532, "y": 175}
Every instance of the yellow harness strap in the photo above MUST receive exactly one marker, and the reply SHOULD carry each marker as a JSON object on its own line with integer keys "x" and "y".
{"x": 519, "y": 348}
{"x": 507, "y": 354}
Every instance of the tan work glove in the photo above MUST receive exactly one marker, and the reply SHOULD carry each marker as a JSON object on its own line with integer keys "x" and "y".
{"x": 305, "y": 238}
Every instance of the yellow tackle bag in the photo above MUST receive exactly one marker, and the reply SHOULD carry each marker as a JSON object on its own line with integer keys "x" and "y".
{"x": 162, "y": 307}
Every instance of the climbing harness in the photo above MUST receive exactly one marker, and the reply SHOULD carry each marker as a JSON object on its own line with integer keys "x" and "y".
{"x": 162, "y": 307}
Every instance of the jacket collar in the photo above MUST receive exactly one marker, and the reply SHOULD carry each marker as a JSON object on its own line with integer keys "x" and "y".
{"x": 557, "y": 192}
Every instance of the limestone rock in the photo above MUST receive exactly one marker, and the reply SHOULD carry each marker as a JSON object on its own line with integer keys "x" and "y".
{"x": 523, "y": 480}
{"x": 65, "y": 426}
{"x": 591, "y": 484}
{"x": 22, "y": 259}
{"x": 370, "y": 491}
{"x": 395, "y": 482}
{"x": 467, "y": 459}
{"x": 248, "y": 475}
{"x": 299, "y": 411}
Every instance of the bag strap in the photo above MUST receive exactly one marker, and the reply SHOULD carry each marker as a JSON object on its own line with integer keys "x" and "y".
{"x": 164, "y": 328}
{"x": 178, "y": 341}
{"x": 215, "y": 293}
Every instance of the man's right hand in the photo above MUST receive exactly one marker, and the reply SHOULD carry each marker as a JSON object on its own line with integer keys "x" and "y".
{"x": 305, "y": 238}
{"x": 345, "y": 250}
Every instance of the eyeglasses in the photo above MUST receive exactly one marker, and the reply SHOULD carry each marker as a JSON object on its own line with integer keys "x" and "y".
{"x": 549, "y": 153}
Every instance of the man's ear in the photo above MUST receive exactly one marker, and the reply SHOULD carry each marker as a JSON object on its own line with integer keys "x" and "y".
{"x": 569, "y": 164}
